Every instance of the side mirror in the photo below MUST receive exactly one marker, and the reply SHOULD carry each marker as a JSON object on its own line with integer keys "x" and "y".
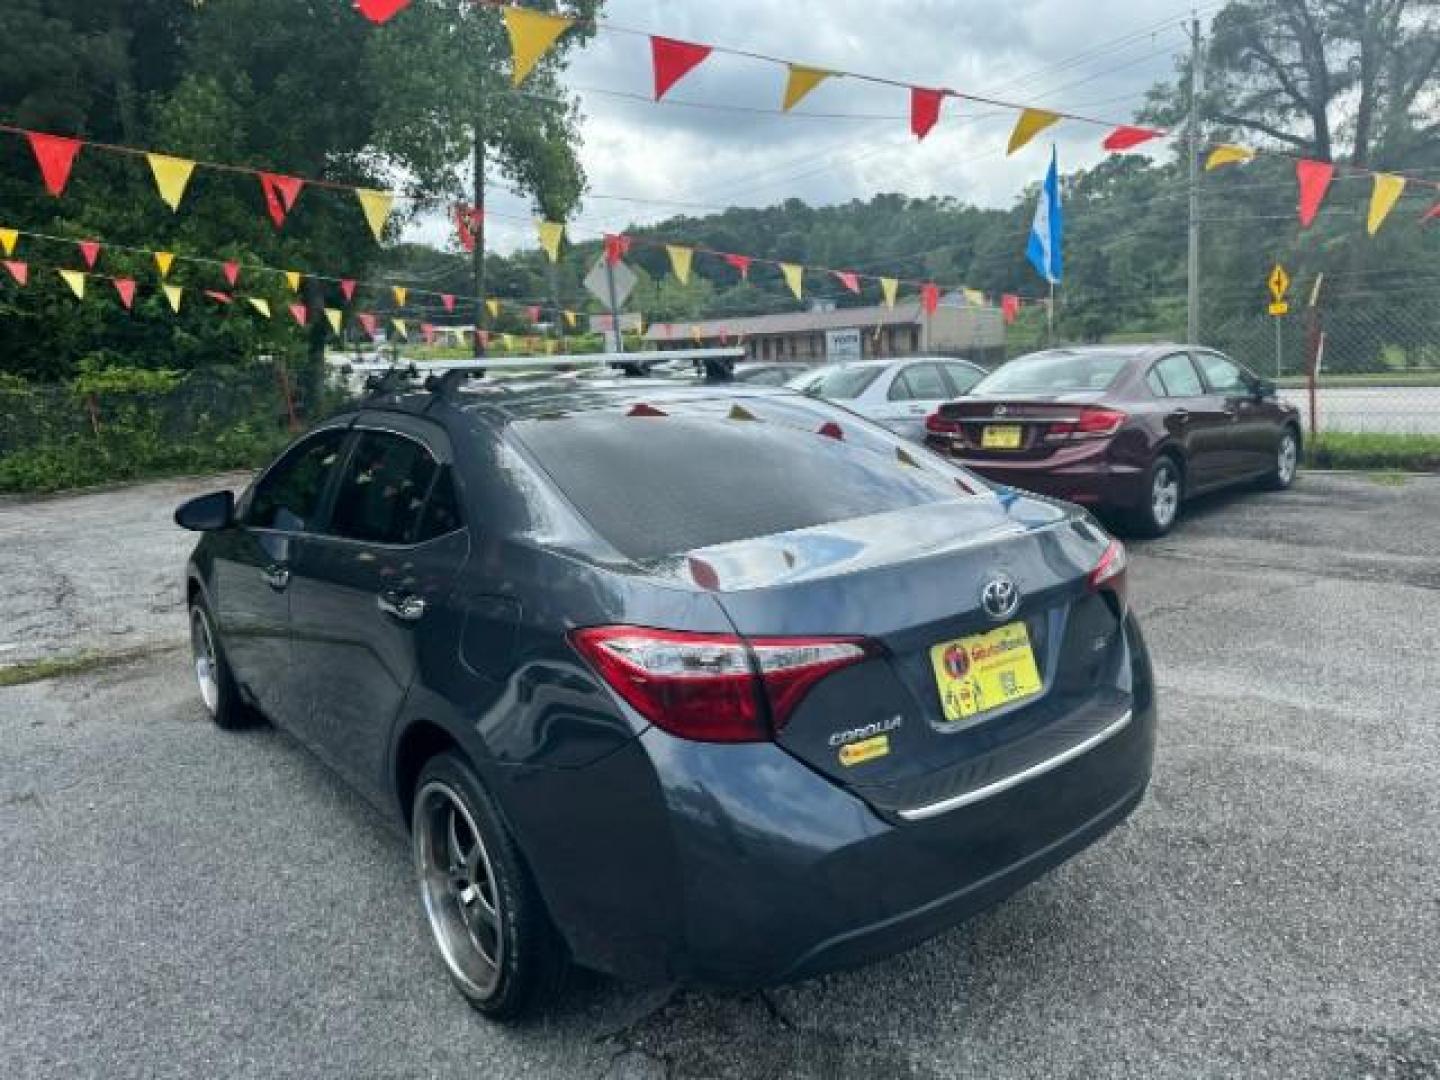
{"x": 1264, "y": 388}
{"x": 208, "y": 513}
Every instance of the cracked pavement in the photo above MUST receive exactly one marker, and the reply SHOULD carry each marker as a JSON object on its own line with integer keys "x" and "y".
{"x": 177, "y": 901}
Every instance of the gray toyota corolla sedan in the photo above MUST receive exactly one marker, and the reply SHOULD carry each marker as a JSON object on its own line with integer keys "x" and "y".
{"x": 681, "y": 682}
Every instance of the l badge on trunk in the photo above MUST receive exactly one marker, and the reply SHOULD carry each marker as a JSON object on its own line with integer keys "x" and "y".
{"x": 1000, "y": 597}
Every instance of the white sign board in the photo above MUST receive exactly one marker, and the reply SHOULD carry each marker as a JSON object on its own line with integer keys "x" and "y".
{"x": 843, "y": 345}
{"x": 598, "y": 282}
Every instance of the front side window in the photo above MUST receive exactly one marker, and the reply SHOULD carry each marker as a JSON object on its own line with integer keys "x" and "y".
{"x": 1177, "y": 376}
{"x": 289, "y": 496}
{"x": 1223, "y": 376}
{"x": 384, "y": 490}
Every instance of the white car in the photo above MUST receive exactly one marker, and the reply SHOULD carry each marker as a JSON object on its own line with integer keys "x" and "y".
{"x": 897, "y": 394}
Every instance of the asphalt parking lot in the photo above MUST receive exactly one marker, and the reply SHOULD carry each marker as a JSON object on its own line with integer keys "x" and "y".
{"x": 181, "y": 902}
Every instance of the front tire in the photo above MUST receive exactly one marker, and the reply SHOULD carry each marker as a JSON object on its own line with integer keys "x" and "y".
{"x": 1287, "y": 461}
{"x": 1164, "y": 490}
{"x": 213, "y": 677}
{"x": 487, "y": 918}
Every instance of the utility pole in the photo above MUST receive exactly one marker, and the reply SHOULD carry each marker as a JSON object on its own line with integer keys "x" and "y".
{"x": 1197, "y": 87}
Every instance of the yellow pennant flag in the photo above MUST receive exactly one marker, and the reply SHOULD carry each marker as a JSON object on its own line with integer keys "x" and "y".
{"x": 571, "y": 319}
{"x": 8, "y": 239}
{"x": 891, "y": 288}
{"x": 795, "y": 278}
{"x": 1030, "y": 124}
{"x": 549, "y": 348}
{"x": 401, "y": 295}
{"x": 292, "y": 278}
{"x": 508, "y": 340}
{"x": 532, "y": 33}
{"x": 1228, "y": 155}
{"x": 402, "y": 328}
{"x": 173, "y": 294}
{"x": 262, "y": 306}
{"x": 336, "y": 317}
{"x": 680, "y": 258}
{"x": 172, "y": 177}
{"x": 493, "y": 307}
{"x": 1388, "y": 190}
{"x": 76, "y": 280}
{"x": 800, "y": 82}
{"x": 551, "y": 233}
{"x": 163, "y": 261}
{"x": 376, "y": 205}
{"x": 975, "y": 297}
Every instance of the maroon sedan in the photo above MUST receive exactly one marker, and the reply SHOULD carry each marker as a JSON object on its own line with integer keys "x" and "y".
{"x": 1130, "y": 429}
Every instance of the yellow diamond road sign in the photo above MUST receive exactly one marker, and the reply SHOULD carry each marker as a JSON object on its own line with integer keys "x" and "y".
{"x": 1279, "y": 283}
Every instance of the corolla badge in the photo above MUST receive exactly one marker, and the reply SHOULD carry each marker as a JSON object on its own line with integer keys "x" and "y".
{"x": 1000, "y": 596}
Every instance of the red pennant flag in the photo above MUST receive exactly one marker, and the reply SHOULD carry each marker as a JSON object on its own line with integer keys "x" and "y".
{"x": 448, "y": 300}
{"x": 616, "y": 247}
{"x": 19, "y": 271}
{"x": 673, "y": 61}
{"x": 381, "y": 11}
{"x": 219, "y": 297}
{"x": 427, "y": 331}
{"x": 367, "y": 320}
{"x": 533, "y": 311}
{"x": 469, "y": 224}
{"x": 56, "y": 157}
{"x": 1431, "y": 214}
{"x": 929, "y": 297}
{"x": 1314, "y": 178}
{"x": 126, "y": 288}
{"x": 232, "y": 273}
{"x": 280, "y": 195}
{"x": 90, "y": 252}
{"x": 740, "y": 263}
{"x": 1009, "y": 307}
{"x": 849, "y": 280}
{"x": 1124, "y": 137}
{"x": 299, "y": 314}
{"x": 347, "y": 289}
{"x": 924, "y": 110}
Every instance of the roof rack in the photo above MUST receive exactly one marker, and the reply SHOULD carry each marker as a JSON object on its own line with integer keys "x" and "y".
{"x": 447, "y": 375}
{"x": 387, "y": 379}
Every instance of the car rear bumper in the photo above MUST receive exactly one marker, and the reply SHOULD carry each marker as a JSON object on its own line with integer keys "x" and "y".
{"x": 1092, "y": 479}
{"x": 765, "y": 872}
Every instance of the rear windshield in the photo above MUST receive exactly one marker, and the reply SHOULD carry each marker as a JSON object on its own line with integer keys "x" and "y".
{"x": 654, "y": 486}
{"x": 1054, "y": 372}
{"x": 844, "y": 383}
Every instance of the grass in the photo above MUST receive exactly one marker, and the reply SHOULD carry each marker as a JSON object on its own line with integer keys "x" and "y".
{"x": 1388, "y": 378}
{"x": 1374, "y": 452}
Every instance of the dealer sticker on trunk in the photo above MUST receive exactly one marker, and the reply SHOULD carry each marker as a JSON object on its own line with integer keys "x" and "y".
{"x": 985, "y": 671}
{"x": 866, "y": 750}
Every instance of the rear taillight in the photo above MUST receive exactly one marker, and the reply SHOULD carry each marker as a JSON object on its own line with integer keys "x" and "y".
{"x": 936, "y": 424}
{"x": 1109, "y": 573}
{"x": 712, "y": 687}
{"x": 1093, "y": 422}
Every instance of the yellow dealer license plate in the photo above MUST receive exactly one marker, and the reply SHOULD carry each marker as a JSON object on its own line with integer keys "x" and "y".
{"x": 985, "y": 671}
{"x": 1001, "y": 437}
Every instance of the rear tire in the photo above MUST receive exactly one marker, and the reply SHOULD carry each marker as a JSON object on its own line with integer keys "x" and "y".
{"x": 1164, "y": 491}
{"x": 489, "y": 923}
{"x": 218, "y": 691}
{"x": 1287, "y": 461}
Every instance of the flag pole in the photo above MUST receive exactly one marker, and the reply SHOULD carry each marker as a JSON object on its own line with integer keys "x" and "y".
{"x": 1050, "y": 317}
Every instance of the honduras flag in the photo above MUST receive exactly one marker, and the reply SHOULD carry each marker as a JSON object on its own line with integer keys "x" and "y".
{"x": 1047, "y": 234}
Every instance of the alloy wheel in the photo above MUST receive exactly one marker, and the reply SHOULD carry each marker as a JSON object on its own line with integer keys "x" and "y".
{"x": 1287, "y": 459}
{"x": 207, "y": 670}
{"x": 457, "y": 885}
{"x": 1165, "y": 495}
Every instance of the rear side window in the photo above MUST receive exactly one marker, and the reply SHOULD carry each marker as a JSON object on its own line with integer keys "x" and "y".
{"x": 442, "y": 511}
{"x": 1177, "y": 377}
{"x": 919, "y": 382}
{"x": 963, "y": 377}
{"x": 654, "y": 486}
{"x": 289, "y": 496}
{"x": 845, "y": 383}
{"x": 383, "y": 493}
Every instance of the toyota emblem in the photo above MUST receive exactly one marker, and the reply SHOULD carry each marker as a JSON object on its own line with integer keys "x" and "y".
{"x": 1000, "y": 597}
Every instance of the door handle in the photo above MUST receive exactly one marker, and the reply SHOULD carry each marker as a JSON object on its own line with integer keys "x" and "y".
{"x": 276, "y": 576}
{"x": 407, "y": 607}
{"x": 1182, "y": 416}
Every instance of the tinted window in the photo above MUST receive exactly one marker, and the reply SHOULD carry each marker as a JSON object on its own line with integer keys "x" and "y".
{"x": 962, "y": 378}
{"x": 844, "y": 383}
{"x": 289, "y": 496}
{"x": 1055, "y": 372}
{"x": 656, "y": 486}
{"x": 1178, "y": 377}
{"x": 1223, "y": 376}
{"x": 383, "y": 491}
{"x": 442, "y": 510}
{"x": 919, "y": 382}
{"x": 772, "y": 376}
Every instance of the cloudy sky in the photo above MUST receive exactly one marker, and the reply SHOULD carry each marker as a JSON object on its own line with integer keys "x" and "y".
{"x": 718, "y": 139}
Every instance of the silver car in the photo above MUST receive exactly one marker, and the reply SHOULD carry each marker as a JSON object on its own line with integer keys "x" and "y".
{"x": 897, "y": 394}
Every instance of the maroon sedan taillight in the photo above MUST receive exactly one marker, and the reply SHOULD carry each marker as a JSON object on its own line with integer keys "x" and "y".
{"x": 936, "y": 424}
{"x": 705, "y": 687}
{"x": 1094, "y": 422}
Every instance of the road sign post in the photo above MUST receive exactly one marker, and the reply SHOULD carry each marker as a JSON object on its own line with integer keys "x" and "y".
{"x": 1279, "y": 283}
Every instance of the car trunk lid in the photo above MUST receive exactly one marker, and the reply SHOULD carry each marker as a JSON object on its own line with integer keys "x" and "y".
{"x": 1013, "y": 428}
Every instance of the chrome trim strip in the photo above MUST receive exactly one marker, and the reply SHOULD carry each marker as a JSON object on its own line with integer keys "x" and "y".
{"x": 1040, "y": 768}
